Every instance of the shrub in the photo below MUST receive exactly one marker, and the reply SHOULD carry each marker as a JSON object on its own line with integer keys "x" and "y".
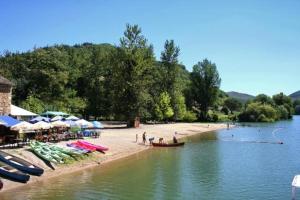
{"x": 190, "y": 116}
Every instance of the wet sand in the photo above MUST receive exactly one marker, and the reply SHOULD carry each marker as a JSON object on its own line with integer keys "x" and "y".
{"x": 121, "y": 142}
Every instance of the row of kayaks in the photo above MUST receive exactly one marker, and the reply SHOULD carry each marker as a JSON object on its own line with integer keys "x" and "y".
{"x": 19, "y": 170}
{"x": 60, "y": 155}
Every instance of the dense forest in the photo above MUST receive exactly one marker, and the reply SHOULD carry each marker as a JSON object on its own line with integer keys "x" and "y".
{"x": 125, "y": 81}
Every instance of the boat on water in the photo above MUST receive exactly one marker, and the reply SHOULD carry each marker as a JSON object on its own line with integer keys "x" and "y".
{"x": 168, "y": 144}
{"x": 295, "y": 184}
{"x": 98, "y": 147}
{"x": 20, "y": 164}
{"x": 13, "y": 174}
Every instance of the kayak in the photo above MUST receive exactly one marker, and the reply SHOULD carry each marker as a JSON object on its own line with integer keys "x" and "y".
{"x": 70, "y": 152}
{"x": 71, "y": 145}
{"x": 13, "y": 174}
{"x": 20, "y": 164}
{"x": 45, "y": 155}
{"x": 167, "y": 145}
{"x": 55, "y": 153}
{"x": 98, "y": 147}
{"x": 84, "y": 146}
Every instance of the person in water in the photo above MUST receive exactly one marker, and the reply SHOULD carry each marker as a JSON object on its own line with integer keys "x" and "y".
{"x": 144, "y": 138}
{"x": 151, "y": 140}
{"x": 175, "y": 139}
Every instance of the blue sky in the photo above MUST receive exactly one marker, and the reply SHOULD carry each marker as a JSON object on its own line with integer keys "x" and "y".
{"x": 255, "y": 44}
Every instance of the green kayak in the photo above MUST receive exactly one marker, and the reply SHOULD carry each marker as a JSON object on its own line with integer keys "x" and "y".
{"x": 43, "y": 154}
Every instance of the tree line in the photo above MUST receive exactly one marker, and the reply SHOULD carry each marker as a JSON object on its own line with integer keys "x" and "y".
{"x": 116, "y": 82}
{"x": 125, "y": 81}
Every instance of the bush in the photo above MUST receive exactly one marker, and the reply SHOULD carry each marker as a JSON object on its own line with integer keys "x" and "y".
{"x": 283, "y": 113}
{"x": 190, "y": 116}
{"x": 258, "y": 112}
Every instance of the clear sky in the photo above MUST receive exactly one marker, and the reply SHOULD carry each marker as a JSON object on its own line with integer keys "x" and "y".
{"x": 255, "y": 43}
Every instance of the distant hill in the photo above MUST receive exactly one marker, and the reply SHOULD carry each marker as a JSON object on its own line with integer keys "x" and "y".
{"x": 240, "y": 96}
{"x": 295, "y": 95}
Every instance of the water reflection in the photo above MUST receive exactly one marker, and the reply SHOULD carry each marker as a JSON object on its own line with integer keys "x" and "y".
{"x": 217, "y": 165}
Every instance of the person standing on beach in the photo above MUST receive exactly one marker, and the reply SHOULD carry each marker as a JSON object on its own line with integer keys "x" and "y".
{"x": 144, "y": 138}
{"x": 136, "y": 137}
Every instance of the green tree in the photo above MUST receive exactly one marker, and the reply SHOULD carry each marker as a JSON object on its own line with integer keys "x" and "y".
{"x": 163, "y": 109}
{"x": 258, "y": 112}
{"x": 174, "y": 81}
{"x": 132, "y": 66}
{"x": 33, "y": 104}
{"x": 296, "y": 104}
{"x": 205, "y": 86}
{"x": 283, "y": 100}
{"x": 233, "y": 104}
{"x": 264, "y": 99}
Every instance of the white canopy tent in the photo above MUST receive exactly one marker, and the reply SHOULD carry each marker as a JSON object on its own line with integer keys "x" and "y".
{"x": 17, "y": 111}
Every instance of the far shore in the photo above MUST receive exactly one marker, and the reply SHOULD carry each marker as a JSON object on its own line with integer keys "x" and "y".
{"x": 121, "y": 142}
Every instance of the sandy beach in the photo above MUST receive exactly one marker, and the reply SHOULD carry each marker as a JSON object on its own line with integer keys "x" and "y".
{"x": 121, "y": 142}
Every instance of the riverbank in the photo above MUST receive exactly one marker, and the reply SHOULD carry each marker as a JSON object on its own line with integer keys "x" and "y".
{"x": 121, "y": 142}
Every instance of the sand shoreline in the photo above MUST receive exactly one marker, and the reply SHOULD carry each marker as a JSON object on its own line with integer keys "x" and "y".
{"x": 121, "y": 143}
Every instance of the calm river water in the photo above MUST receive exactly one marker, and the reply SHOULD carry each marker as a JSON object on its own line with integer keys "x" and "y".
{"x": 241, "y": 163}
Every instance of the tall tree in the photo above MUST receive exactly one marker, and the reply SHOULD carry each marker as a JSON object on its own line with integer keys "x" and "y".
{"x": 205, "y": 85}
{"x": 173, "y": 82}
{"x": 132, "y": 66}
{"x": 169, "y": 59}
{"x": 286, "y": 101}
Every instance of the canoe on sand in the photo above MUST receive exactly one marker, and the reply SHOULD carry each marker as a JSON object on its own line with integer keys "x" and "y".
{"x": 13, "y": 174}
{"x": 20, "y": 164}
{"x": 167, "y": 145}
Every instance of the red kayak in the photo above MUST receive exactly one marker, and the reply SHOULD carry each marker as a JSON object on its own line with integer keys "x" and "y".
{"x": 98, "y": 147}
{"x": 84, "y": 146}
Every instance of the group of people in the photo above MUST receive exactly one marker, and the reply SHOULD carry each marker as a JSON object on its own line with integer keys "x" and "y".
{"x": 161, "y": 140}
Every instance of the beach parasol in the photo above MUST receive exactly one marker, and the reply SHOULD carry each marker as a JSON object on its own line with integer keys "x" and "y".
{"x": 59, "y": 124}
{"x": 84, "y": 123}
{"x": 71, "y": 123}
{"x": 2, "y": 123}
{"x": 97, "y": 124}
{"x": 22, "y": 126}
{"x": 56, "y": 118}
{"x": 72, "y": 117}
{"x": 39, "y": 118}
{"x": 41, "y": 125}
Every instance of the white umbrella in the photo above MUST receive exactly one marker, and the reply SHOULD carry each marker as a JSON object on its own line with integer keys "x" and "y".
{"x": 72, "y": 117}
{"x": 41, "y": 125}
{"x": 60, "y": 124}
{"x": 83, "y": 122}
{"x": 22, "y": 126}
{"x": 56, "y": 118}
